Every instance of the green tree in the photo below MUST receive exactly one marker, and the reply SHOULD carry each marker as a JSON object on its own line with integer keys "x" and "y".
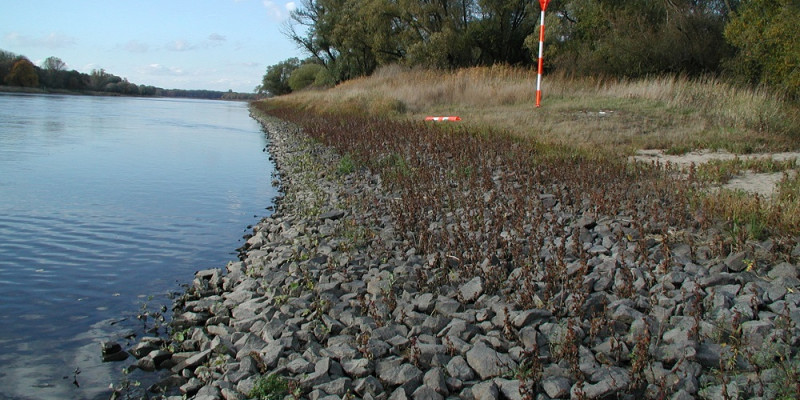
{"x": 23, "y": 73}
{"x": 305, "y": 76}
{"x": 637, "y": 37}
{"x": 276, "y": 80}
{"x": 765, "y": 34}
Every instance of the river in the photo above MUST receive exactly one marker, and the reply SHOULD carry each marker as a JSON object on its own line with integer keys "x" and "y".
{"x": 108, "y": 205}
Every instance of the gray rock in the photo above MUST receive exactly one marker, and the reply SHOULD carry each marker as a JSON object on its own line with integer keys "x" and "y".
{"x": 609, "y": 380}
{"x": 426, "y": 393}
{"x": 271, "y": 354}
{"x": 487, "y": 362}
{"x": 556, "y": 387}
{"x": 735, "y": 261}
{"x": 485, "y": 391}
{"x": 424, "y": 302}
{"x": 471, "y": 290}
{"x": 399, "y": 394}
{"x": 299, "y": 366}
{"x": 447, "y": 306}
{"x": 142, "y": 348}
{"x": 357, "y": 368}
{"x": 338, "y": 387}
{"x": 525, "y": 318}
{"x": 191, "y": 387}
{"x": 459, "y": 369}
{"x": 208, "y": 393}
{"x": 332, "y": 215}
{"x": 404, "y": 374}
{"x": 784, "y": 270}
{"x": 435, "y": 379}
{"x": 368, "y": 385}
{"x": 509, "y": 388}
{"x": 192, "y": 361}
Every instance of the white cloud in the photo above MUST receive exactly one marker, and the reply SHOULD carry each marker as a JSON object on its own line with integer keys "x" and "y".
{"x": 51, "y": 41}
{"x": 158, "y": 69}
{"x": 179, "y": 45}
{"x": 276, "y": 12}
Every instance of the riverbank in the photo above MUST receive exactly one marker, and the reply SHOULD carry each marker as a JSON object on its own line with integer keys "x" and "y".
{"x": 329, "y": 302}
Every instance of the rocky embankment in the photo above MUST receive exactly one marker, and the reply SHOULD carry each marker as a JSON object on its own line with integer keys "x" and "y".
{"x": 328, "y": 303}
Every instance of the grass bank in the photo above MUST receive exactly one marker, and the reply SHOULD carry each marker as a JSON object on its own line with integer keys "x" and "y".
{"x": 587, "y": 122}
{"x": 620, "y": 116}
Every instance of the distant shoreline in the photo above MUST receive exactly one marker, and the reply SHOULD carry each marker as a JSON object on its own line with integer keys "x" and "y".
{"x": 30, "y": 90}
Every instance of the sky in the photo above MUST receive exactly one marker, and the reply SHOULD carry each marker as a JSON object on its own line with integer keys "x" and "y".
{"x": 172, "y": 44}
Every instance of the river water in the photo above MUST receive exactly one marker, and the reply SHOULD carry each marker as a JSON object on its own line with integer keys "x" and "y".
{"x": 108, "y": 205}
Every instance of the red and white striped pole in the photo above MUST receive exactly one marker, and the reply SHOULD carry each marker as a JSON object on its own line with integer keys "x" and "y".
{"x": 543, "y": 5}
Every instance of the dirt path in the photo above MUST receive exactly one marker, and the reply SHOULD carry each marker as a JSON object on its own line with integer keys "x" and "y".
{"x": 760, "y": 183}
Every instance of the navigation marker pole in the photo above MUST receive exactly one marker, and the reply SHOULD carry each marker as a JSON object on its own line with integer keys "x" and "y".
{"x": 543, "y": 5}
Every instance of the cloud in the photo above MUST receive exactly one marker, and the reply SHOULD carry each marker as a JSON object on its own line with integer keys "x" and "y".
{"x": 134, "y": 46}
{"x": 216, "y": 37}
{"x": 180, "y": 45}
{"x": 51, "y": 41}
{"x": 158, "y": 69}
{"x": 276, "y": 12}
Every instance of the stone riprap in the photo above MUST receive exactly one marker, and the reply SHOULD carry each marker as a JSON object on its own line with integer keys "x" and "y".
{"x": 328, "y": 297}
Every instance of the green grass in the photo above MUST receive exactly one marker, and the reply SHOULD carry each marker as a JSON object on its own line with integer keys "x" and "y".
{"x": 272, "y": 387}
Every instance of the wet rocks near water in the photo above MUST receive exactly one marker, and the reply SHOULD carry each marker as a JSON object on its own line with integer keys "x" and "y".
{"x": 112, "y": 351}
{"x": 329, "y": 298}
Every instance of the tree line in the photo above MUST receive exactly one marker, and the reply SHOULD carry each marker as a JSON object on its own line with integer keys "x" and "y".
{"x": 750, "y": 41}
{"x": 52, "y": 75}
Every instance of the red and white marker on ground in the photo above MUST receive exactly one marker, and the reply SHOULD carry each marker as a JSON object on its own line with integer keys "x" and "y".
{"x": 442, "y": 118}
{"x": 543, "y": 5}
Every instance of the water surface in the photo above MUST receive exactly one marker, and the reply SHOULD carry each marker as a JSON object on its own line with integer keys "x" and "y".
{"x": 106, "y": 206}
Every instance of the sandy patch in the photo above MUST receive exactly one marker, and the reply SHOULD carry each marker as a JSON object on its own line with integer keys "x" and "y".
{"x": 763, "y": 184}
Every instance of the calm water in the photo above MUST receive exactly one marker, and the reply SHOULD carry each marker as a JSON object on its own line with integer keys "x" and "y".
{"x": 106, "y": 206}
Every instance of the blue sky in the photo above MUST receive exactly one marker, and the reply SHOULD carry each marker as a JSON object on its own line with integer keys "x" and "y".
{"x": 183, "y": 44}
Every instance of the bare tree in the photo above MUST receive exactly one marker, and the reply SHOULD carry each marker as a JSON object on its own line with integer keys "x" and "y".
{"x": 54, "y": 64}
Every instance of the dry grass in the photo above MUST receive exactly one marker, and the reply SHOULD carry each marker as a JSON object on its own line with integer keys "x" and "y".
{"x": 672, "y": 113}
{"x": 595, "y": 120}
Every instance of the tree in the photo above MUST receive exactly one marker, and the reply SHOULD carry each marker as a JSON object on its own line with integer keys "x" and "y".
{"x": 305, "y": 76}
{"x": 54, "y": 64}
{"x": 637, "y": 37}
{"x": 23, "y": 73}
{"x": 276, "y": 80}
{"x": 764, "y": 33}
{"x": 7, "y": 60}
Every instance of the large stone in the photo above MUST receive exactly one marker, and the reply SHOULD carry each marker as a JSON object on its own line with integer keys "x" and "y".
{"x": 485, "y": 391}
{"x": 357, "y": 368}
{"x": 112, "y": 351}
{"x": 556, "y": 387}
{"x": 509, "y": 388}
{"x": 369, "y": 385}
{"x": 447, "y": 306}
{"x": 459, "y": 369}
{"x": 487, "y": 362}
{"x": 404, "y": 374}
{"x": 436, "y": 380}
{"x": 471, "y": 290}
{"x": 338, "y": 387}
